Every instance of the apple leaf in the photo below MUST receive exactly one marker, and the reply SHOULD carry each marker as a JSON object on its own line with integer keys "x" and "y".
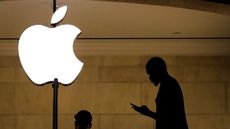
{"x": 59, "y": 15}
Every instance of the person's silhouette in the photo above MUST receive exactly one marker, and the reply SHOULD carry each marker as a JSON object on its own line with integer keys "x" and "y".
{"x": 83, "y": 120}
{"x": 170, "y": 112}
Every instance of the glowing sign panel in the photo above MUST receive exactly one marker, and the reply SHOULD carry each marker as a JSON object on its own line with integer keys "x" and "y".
{"x": 47, "y": 53}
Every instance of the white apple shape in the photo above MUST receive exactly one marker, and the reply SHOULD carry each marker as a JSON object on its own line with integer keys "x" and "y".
{"x": 47, "y": 53}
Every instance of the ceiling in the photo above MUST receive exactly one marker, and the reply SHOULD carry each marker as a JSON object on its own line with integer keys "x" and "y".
{"x": 131, "y": 19}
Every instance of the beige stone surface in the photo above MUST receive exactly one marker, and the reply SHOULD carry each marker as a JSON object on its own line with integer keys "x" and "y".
{"x": 32, "y": 99}
{"x": 214, "y": 61}
{"x": 208, "y": 121}
{"x": 125, "y": 122}
{"x": 88, "y": 74}
{"x": 122, "y": 74}
{"x": 7, "y": 74}
{"x": 226, "y": 74}
{"x": 228, "y": 98}
{"x": 7, "y": 95}
{"x": 174, "y": 60}
{"x": 7, "y": 122}
{"x": 226, "y": 60}
{"x": 91, "y": 60}
{"x": 203, "y": 74}
{"x": 122, "y": 61}
{"x": 21, "y": 75}
{"x": 34, "y": 122}
{"x": 9, "y": 61}
{"x": 227, "y": 121}
{"x": 99, "y": 97}
{"x": 204, "y": 97}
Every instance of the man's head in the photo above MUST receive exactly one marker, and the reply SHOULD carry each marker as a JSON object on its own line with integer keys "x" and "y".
{"x": 83, "y": 120}
{"x": 156, "y": 69}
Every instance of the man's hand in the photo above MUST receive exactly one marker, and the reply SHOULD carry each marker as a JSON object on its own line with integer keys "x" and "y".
{"x": 142, "y": 109}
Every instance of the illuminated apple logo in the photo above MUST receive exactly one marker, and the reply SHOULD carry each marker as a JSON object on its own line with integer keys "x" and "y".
{"x": 47, "y": 53}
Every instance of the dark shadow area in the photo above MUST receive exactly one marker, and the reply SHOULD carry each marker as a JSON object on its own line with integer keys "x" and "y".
{"x": 220, "y": 1}
{"x": 83, "y": 120}
{"x": 170, "y": 112}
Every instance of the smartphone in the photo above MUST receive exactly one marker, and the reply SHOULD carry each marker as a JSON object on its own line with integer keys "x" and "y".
{"x": 133, "y": 105}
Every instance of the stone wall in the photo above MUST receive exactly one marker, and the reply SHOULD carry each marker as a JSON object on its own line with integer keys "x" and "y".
{"x": 106, "y": 86}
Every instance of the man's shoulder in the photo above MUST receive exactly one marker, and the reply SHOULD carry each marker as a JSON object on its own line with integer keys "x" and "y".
{"x": 172, "y": 82}
{"x": 171, "y": 79}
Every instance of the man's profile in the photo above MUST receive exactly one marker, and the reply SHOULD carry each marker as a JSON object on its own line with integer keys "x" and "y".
{"x": 83, "y": 120}
{"x": 170, "y": 112}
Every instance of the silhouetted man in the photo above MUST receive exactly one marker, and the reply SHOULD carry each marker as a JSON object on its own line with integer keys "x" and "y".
{"x": 83, "y": 120}
{"x": 170, "y": 113}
